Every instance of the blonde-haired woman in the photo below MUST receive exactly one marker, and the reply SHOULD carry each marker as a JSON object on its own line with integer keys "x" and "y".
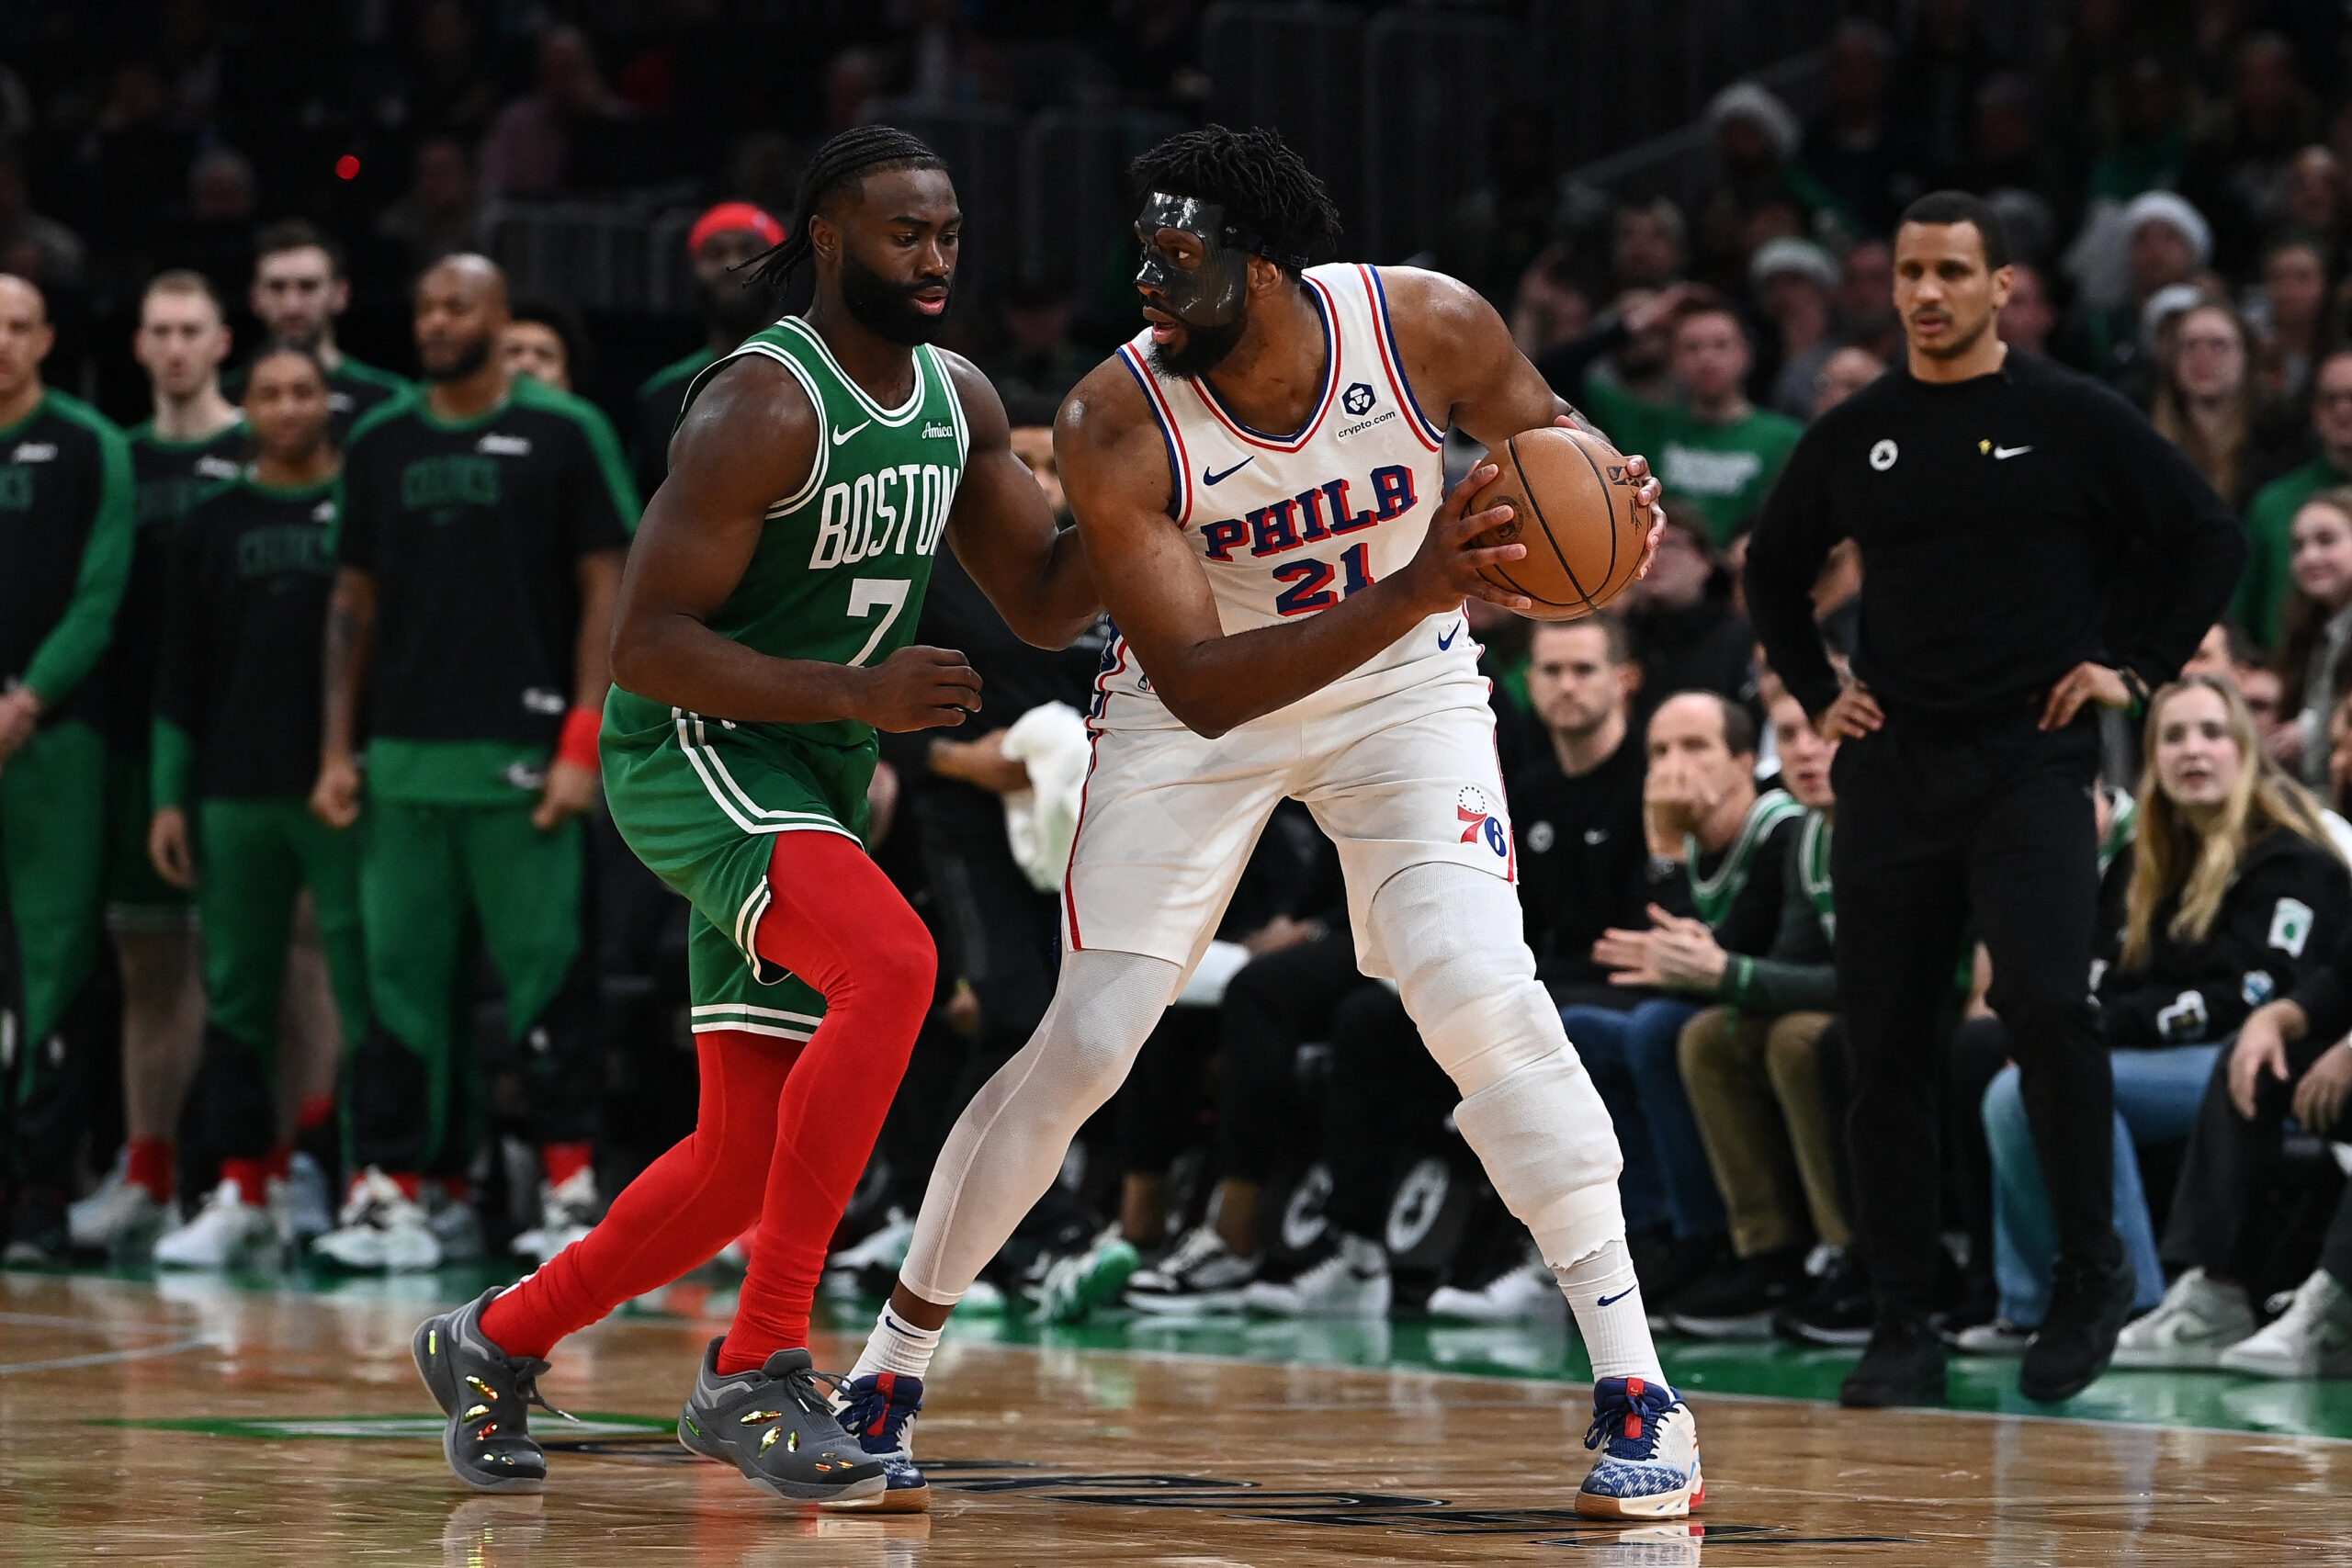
{"x": 2232, "y": 892}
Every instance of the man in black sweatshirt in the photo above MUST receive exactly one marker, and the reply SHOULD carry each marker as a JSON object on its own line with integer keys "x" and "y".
{"x": 1993, "y": 497}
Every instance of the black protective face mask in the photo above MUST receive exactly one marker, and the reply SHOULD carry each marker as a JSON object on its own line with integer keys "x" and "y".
{"x": 886, "y": 308}
{"x": 1209, "y": 294}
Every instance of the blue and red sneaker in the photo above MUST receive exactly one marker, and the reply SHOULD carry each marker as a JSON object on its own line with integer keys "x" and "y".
{"x": 879, "y": 1411}
{"x": 1648, "y": 1467}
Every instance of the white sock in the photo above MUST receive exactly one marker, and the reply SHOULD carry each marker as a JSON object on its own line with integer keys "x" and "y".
{"x": 1617, "y": 1336}
{"x": 896, "y": 1346}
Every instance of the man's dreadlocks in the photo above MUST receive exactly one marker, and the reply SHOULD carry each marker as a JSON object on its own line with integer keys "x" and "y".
{"x": 842, "y": 160}
{"x": 1271, "y": 197}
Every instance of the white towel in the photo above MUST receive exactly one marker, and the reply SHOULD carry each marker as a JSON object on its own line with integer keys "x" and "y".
{"x": 1040, "y": 821}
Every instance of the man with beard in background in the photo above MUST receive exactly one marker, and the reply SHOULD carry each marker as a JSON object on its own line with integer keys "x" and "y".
{"x": 733, "y": 308}
{"x": 479, "y": 539}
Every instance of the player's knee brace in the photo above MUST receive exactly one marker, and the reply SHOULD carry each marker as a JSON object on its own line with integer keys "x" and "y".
{"x": 1544, "y": 1136}
{"x": 1464, "y": 973}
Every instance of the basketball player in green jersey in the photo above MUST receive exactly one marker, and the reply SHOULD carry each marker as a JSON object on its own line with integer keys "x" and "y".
{"x": 762, "y": 639}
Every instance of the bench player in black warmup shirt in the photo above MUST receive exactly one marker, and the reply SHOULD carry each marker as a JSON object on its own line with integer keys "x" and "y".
{"x": 65, "y": 525}
{"x": 483, "y": 522}
{"x": 195, "y": 439}
{"x": 1994, "y": 496}
{"x": 298, "y": 291}
{"x": 236, "y": 750}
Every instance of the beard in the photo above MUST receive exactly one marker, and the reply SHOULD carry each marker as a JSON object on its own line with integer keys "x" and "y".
{"x": 886, "y": 308}
{"x": 469, "y": 359}
{"x": 1204, "y": 349}
{"x": 1952, "y": 347}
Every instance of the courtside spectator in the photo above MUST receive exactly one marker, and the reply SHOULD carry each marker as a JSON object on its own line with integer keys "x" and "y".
{"x": 2319, "y": 632}
{"x": 1755, "y": 1087}
{"x": 1719, "y": 850}
{"x": 2261, "y": 599}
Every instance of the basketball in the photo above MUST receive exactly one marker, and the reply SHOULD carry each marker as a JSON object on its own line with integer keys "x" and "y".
{"x": 1572, "y": 505}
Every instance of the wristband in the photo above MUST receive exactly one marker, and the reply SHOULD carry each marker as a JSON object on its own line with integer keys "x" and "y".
{"x": 577, "y": 745}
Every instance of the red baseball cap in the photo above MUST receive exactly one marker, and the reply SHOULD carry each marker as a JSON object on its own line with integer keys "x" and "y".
{"x": 731, "y": 215}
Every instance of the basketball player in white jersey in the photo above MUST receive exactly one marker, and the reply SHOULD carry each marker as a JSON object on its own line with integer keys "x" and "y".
{"x": 1258, "y": 480}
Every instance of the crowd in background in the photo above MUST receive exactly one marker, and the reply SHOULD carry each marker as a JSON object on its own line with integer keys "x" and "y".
{"x": 2174, "y": 181}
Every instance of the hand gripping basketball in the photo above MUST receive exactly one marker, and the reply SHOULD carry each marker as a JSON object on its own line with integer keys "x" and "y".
{"x": 1447, "y": 568}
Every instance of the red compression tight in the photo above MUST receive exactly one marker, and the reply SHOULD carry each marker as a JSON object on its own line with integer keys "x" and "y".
{"x": 784, "y": 1130}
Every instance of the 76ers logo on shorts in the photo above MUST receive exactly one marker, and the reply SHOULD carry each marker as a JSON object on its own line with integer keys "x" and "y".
{"x": 1477, "y": 814}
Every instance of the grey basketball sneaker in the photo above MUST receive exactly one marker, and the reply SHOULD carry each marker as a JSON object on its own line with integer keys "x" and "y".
{"x": 779, "y": 1429}
{"x": 487, "y": 1394}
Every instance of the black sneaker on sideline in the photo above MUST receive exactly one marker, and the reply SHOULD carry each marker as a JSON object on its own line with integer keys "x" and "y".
{"x": 38, "y": 1234}
{"x": 1904, "y": 1365}
{"x": 1837, "y": 1309}
{"x": 1740, "y": 1303}
{"x": 2088, "y": 1303}
{"x": 1667, "y": 1265}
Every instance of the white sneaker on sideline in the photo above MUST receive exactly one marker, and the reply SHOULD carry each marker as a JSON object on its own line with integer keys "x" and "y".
{"x": 1352, "y": 1281}
{"x": 1201, "y": 1275}
{"x": 566, "y": 1213}
{"x": 2311, "y": 1340}
{"x": 225, "y": 1231}
{"x": 884, "y": 1248}
{"x": 381, "y": 1227}
{"x": 1529, "y": 1293}
{"x": 2199, "y": 1318}
{"x": 121, "y": 1218}
{"x": 1998, "y": 1338}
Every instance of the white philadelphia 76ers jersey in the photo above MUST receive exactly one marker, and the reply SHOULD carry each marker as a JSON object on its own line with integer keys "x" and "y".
{"x": 1288, "y": 525}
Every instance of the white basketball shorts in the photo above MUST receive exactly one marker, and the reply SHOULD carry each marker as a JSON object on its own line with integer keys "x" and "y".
{"x": 1169, "y": 818}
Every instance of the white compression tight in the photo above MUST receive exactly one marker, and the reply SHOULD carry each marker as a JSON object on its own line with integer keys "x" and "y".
{"x": 1453, "y": 935}
{"x": 1007, "y": 1146}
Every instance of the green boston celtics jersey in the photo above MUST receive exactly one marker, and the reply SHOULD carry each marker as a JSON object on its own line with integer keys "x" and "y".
{"x": 840, "y": 569}
{"x": 1712, "y": 897}
{"x": 1812, "y": 870}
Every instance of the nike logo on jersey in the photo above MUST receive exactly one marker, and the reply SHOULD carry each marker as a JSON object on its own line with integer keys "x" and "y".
{"x": 1209, "y": 479}
{"x": 1447, "y": 640}
{"x": 842, "y": 435}
{"x": 1612, "y": 1300}
{"x": 2000, "y": 452}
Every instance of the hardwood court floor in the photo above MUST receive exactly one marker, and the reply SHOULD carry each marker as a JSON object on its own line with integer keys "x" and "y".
{"x": 187, "y": 1422}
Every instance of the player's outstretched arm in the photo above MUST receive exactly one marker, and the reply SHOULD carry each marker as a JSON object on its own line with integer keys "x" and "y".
{"x": 748, "y": 442}
{"x": 1114, "y": 468}
{"x": 1003, "y": 532}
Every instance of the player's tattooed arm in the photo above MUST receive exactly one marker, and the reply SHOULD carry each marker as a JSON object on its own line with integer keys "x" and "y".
{"x": 748, "y": 440}
{"x": 351, "y": 625}
{"x": 1114, "y": 468}
{"x": 1003, "y": 532}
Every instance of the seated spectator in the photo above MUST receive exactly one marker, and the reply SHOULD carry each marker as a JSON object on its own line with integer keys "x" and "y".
{"x": 1719, "y": 848}
{"x": 1866, "y": 299}
{"x": 2273, "y": 915}
{"x": 1549, "y": 308}
{"x": 2237, "y": 171}
{"x": 1871, "y": 163}
{"x": 529, "y": 152}
{"x": 2291, "y": 301}
{"x": 1623, "y": 359}
{"x": 2319, "y": 633}
{"x": 1684, "y": 630}
{"x": 1760, "y": 189}
{"x": 1842, "y": 375}
{"x": 1795, "y": 282}
{"x": 40, "y": 249}
{"x": 1713, "y": 449}
{"x": 2209, "y": 403}
{"x": 1036, "y": 363}
{"x": 2260, "y": 602}
{"x": 1583, "y": 851}
{"x": 1755, "y": 1090}
{"x": 2232, "y": 893}
{"x": 2165, "y": 241}
{"x": 441, "y": 212}
{"x": 1649, "y": 246}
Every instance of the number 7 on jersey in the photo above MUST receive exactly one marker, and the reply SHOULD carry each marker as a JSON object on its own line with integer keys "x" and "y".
{"x": 867, "y": 595}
